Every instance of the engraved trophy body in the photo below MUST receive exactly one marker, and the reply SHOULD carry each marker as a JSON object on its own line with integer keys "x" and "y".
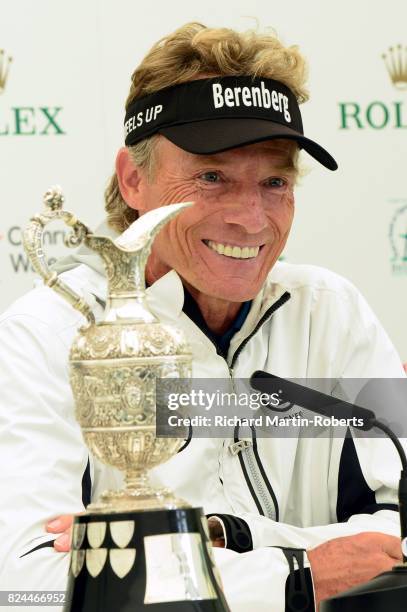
{"x": 140, "y": 546}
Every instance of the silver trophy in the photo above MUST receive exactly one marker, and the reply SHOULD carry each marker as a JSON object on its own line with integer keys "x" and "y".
{"x": 139, "y": 546}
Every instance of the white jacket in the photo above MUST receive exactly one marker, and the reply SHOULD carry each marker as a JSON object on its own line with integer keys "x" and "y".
{"x": 324, "y": 330}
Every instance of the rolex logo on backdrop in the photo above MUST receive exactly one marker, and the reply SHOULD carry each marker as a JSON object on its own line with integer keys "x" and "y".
{"x": 5, "y": 61}
{"x": 396, "y": 63}
{"x": 24, "y": 119}
{"x": 383, "y": 112}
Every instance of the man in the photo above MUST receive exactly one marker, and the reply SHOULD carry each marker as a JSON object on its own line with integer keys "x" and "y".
{"x": 301, "y": 519}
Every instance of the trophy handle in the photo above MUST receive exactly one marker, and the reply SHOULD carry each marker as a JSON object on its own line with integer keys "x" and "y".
{"x": 33, "y": 244}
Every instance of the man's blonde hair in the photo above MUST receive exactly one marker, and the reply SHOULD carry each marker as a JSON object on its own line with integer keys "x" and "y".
{"x": 187, "y": 54}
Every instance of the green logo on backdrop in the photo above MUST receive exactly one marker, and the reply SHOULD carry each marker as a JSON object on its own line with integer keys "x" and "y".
{"x": 26, "y": 120}
{"x": 398, "y": 240}
{"x": 379, "y": 114}
{"x": 376, "y": 115}
{"x": 29, "y": 121}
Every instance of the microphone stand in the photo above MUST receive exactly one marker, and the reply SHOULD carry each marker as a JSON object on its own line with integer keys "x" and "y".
{"x": 387, "y": 591}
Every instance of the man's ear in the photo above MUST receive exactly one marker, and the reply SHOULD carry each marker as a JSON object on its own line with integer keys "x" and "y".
{"x": 130, "y": 178}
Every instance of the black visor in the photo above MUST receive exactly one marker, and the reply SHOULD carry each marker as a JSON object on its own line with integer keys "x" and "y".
{"x": 212, "y": 115}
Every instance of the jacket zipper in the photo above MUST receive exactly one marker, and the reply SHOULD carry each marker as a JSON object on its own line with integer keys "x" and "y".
{"x": 280, "y": 302}
{"x": 250, "y": 462}
{"x": 258, "y": 484}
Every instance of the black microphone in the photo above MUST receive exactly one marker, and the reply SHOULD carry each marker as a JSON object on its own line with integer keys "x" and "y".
{"x": 312, "y": 400}
{"x": 388, "y": 590}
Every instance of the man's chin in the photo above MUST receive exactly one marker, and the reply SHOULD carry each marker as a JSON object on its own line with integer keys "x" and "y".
{"x": 228, "y": 292}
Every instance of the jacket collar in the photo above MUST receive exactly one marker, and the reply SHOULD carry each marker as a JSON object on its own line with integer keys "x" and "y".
{"x": 166, "y": 296}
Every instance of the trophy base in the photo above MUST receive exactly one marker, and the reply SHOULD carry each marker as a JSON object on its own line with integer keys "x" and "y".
{"x": 157, "y": 560}
{"x": 137, "y": 500}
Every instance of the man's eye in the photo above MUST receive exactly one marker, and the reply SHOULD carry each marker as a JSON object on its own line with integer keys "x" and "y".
{"x": 275, "y": 181}
{"x": 210, "y": 177}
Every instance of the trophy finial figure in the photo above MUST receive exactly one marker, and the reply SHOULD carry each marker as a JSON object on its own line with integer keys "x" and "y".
{"x": 54, "y": 198}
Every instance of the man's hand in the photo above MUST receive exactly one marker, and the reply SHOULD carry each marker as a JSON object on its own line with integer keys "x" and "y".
{"x": 216, "y": 533}
{"x": 343, "y": 563}
{"x": 62, "y": 525}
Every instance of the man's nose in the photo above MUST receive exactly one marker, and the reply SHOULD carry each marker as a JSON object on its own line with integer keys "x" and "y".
{"x": 247, "y": 209}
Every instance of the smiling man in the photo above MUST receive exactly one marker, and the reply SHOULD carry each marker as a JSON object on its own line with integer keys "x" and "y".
{"x": 212, "y": 116}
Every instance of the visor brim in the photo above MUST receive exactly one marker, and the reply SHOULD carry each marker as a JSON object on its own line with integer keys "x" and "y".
{"x": 216, "y": 135}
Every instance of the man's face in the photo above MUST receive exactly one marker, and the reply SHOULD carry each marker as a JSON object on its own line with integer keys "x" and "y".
{"x": 227, "y": 242}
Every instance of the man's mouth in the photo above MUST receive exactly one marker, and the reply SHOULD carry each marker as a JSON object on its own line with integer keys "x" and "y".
{"x": 236, "y": 252}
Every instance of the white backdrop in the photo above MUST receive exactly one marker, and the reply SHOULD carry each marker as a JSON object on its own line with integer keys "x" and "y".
{"x": 78, "y": 56}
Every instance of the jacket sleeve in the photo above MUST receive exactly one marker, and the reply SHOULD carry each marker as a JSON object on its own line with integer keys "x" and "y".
{"x": 45, "y": 466}
{"x": 269, "y": 578}
{"x": 266, "y": 566}
{"x": 266, "y": 579}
